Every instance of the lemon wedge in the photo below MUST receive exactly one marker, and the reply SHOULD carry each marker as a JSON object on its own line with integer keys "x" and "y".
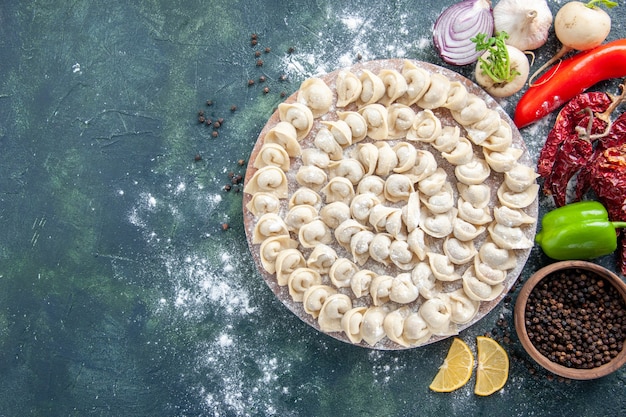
{"x": 492, "y": 371}
{"x": 456, "y": 369}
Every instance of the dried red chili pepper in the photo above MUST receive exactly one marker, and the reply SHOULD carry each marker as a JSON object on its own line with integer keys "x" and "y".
{"x": 570, "y": 77}
{"x": 573, "y": 155}
{"x": 569, "y": 121}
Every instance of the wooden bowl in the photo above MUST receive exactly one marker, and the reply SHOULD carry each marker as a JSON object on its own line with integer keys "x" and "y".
{"x": 520, "y": 321}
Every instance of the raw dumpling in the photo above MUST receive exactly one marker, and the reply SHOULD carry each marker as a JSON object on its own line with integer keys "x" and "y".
{"x": 271, "y": 248}
{"x": 442, "y": 268}
{"x": 372, "y": 184}
{"x": 426, "y": 127}
{"x": 347, "y": 168}
{"x": 418, "y": 81}
{"x": 520, "y": 177}
{"x": 440, "y": 202}
{"x": 299, "y": 115}
{"x": 478, "y": 290}
{"x": 338, "y": 189}
{"x": 334, "y": 214}
{"x": 351, "y": 323}
{"x": 315, "y": 157}
{"x": 474, "y": 111}
{"x": 417, "y": 242}
{"x": 402, "y": 256}
{"x": 411, "y": 212}
{"x": 360, "y": 283}
{"x": 512, "y": 217}
{"x": 326, "y": 142}
{"x": 475, "y": 171}
{"x": 502, "y": 161}
{"x": 314, "y": 233}
{"x": 262, "y": 203}
{"x": 361, "y": 206}
{"x": 380, "y": 288}
{"x": 316, "y": 95}
{"x": 285, "y": 135}
{"x": 367, "y": 155}
{"x": 348, "y": 87}
{"x": 425, "y": 166}
{"x": 286, "y": 262}
{"x": 437, "y": 93}
{"x": 345, "y": 231}
{"x": 380, "y": 214}
{"x": 341, "y": 272}
{"x": 509, "y": 237}
{"x": 269, "y": 224}
{"x": 478, "y": 195}
{"x": 372, "y": 330}
{"x": 448, "y": 139}
{"x": 398, "y": 187}
{"x": 436, "y": 313}
{"x": 466, "y": 231}
{"x": 359, "y": 246}
{"x": 424, "y": 280}
{"x": 331, "y": 313}
{"x": 463, "y": 152}
{"x": 395, "y": 85}
{"x": 479, "y": 131}
{"x": 304, "y": 195}
{"x": 474, "y": 215}
{"x": 407, "y": 157}
{"x": 501, "y": 139}
{"x": 416, "y": 331}
{"x": 497, "y": 257}
{"x": 394, "y": 326}
{"x": 403, "y": 290}
{"x": 380, "y": 248}
{"x": 519, "y": 200}
{"x": 311, "y": 177}
{"x": 376, "y": 117}
{"x": 301, "y": 280}
{"x": 387, "y": 159}
{"x": 356, "y": 123}
{"x": 462, "y": 308}
{"x": 487, "y": 274}
{"x": 340, "y": 131}
{"x": 272, "y": 154}
{"x": 459, "y": 252}
{"x": 433, "y": 183}
{"x": 401, "y": 119}
{"x": 372, "y": 89}
{"x": 269, "y": 179}
{"x": 322, "y": 258}
{"x": 457, "y": 96}
{"x": 437, "y": 225}
{"x": 314, "y": 298}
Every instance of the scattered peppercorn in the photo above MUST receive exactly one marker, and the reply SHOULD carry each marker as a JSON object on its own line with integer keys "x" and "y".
{"x": 291, "y": 50}
{"x": 359, "y": 56}
{"x": 254, "y": 36}
{"x": 253, "y": 42}
{"x": 200, "y": 112}
{"x": 241, "y": 162}
{"x": 262, "y": 79}
{"x": 209, "y": 102}
{"x": 257, "y": 54}
{"x": 198, "y": 157}
{"x": 266, "y": 90}
{"x": 214, "y": 134}
{"x": 227, "y": 187}
{"x": 577, "y": 319}
{"x": 233, "y": 108}
{"x": 201, "y": 119}
{"x": 208, "y": 122}
{"x": 267, "y": 50}
{"x": 259, "y": 62}
{"x": 282, "y": 77}
{"x": 221, "y": 120}
{"x": 251, "y": 82}
{"x": 217, "y": 125}
{"x": 283, "y": 93}
{"x": 225, "y": 226}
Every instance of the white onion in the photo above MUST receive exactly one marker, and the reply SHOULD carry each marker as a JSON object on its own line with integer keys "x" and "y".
{"x": 457, "y": 25}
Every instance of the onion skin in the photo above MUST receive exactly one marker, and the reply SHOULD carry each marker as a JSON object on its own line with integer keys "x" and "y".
{"x": 457, "y": 25}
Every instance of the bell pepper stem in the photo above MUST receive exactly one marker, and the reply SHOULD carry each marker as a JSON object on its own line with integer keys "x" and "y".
{"x": 619, "y": 225}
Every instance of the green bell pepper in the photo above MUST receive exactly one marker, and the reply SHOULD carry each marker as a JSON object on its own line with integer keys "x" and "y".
{"x": 579, "y": 230}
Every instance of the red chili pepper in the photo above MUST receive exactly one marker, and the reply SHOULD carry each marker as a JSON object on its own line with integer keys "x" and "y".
{"x": 570, "y": 77}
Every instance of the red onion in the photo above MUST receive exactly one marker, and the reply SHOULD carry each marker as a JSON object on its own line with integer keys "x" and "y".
{"x": 457, "y": 25}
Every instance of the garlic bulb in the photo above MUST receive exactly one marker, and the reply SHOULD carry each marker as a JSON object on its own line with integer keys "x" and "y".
{"x": 527, "y": 22}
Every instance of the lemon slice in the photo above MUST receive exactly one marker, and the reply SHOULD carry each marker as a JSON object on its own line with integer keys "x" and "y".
{"x": 492, "y": 371}
{"x": 456, "y": 369}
